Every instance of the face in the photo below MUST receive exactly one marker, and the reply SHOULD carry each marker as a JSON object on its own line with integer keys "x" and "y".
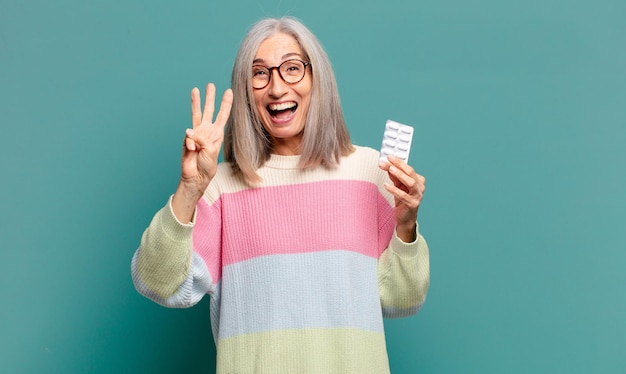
{"x": 282, "y": 107}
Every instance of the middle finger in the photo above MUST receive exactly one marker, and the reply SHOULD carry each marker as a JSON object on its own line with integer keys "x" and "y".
{"x": 209, "y": 104}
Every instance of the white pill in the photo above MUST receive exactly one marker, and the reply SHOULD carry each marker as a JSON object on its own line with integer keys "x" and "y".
{"x": 391, "y": 134}
{"x": 389, "y": 143}
{"x": 401, "y": 154}
{"x": 393, "y": 125}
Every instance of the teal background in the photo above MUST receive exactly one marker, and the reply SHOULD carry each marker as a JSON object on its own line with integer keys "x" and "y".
{"x": 519, "y": 110}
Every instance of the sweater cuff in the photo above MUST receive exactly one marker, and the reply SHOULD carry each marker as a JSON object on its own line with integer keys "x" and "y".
{"x": 403, "y": 249}
{"x": 172, "y": 227}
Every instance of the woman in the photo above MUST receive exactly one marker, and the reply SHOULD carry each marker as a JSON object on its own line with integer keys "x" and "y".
{"x": 302, "y": 240}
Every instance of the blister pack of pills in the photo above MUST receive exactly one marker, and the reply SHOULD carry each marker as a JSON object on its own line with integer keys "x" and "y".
{"x": 396, "y": 141}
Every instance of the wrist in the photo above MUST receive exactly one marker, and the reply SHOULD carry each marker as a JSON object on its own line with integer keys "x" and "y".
{"x": 189, "y": 190}
{"x": 407, "y": 232}
{"x": 184, "y": 203}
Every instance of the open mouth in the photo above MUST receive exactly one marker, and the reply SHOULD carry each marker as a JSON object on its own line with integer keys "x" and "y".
{"x": 282, "y": 110}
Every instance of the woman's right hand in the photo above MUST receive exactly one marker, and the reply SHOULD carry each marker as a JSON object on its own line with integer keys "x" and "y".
{"x": 201, "y": 150}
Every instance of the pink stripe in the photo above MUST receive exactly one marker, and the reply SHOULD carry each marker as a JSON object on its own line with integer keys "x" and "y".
{"x": 329, "y": 215}
{"x": 207, "y": 236}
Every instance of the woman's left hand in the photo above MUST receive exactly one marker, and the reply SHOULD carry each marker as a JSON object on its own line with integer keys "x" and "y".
{"x": 408, "y": 190}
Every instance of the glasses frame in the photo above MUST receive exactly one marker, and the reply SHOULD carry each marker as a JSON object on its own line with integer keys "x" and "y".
{"x": 277, "y": 68}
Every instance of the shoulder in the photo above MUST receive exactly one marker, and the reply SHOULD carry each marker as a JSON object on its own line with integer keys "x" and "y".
{"x": 226, "y": 180}
{"x": 225, "y": 170}
{"x": 365, "y": 154}
{"x": 364, "y": 157}
{"x": 362, "y": 164}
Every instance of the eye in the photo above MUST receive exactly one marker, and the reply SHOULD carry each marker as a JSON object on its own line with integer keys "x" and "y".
{"x": 292, "y": 68}
{"x": 259, "y": 72}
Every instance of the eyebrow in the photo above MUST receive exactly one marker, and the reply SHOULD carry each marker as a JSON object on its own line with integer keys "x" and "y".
{"x": 290, "y": 54}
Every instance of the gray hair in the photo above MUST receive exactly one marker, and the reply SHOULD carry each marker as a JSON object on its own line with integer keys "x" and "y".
{"x": 247, "y": 145}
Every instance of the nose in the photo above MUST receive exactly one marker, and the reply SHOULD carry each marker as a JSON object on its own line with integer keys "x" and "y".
{"x": 277, "y": 87}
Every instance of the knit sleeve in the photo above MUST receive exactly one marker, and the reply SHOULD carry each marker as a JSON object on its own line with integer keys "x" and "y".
{"x": 165, "y": 268}
{"x": 403, "y": 276}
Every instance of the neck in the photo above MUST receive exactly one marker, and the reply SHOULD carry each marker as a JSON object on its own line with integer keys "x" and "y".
{"x": 287, "y": 146}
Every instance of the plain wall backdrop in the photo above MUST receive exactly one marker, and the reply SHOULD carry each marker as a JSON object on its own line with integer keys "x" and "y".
{"x": 519, "y": 109}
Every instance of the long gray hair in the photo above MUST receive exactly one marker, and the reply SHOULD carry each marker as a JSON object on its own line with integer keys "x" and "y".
{"x": 247, "y": 145}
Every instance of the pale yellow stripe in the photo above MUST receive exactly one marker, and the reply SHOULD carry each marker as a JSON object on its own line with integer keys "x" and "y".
{"x": 403, "y": 281}
{"x": 164, "y": 258}
{"x": 304, "y": 351}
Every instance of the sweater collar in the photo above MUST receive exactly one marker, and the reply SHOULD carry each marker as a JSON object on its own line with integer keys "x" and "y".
{"x": 282, "y": 162}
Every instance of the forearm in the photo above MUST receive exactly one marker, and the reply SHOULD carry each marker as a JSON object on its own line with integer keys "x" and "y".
{"x": 163, "y": 260}
{"x": 184, "y": 202}
{"x": 404, "y": 276}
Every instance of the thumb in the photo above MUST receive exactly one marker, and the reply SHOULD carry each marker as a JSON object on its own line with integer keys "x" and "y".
{"x": 190, "y": 143}
{"x": 195, "y": 141}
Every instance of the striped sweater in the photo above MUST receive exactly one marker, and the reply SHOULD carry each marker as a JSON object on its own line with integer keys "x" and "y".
{"x": 300, "y": 271}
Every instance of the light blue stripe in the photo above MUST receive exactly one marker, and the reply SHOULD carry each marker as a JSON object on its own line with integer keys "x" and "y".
{"x": 401, "y": 312}
{"x": 190, "y": 292}
{"x": 312, "y": 290}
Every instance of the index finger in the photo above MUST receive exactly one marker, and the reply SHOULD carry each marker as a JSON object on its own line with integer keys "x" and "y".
{"x": 209, "y": 103}
{"x": 397, "y": 162}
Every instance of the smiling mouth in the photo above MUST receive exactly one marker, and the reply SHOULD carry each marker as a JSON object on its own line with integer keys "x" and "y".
{"x": 282, "y": 110}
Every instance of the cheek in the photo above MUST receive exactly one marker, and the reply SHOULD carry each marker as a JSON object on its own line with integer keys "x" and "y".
{"x": 257, "y": 98}
{"x": 308, "y": 93}
{"x": 306, "y": 101}
{"x": 258, "y": 103}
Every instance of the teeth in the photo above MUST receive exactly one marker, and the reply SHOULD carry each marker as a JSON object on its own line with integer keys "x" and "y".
{"x": 281, "y": 106}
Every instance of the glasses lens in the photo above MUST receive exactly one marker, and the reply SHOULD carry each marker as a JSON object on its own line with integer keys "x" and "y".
{"x": 292, "y": 71}
{"x": 260, "y": 76}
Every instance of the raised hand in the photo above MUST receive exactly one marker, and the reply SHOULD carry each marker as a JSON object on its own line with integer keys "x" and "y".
{"x": 408, "y": 190}
{"x": 201, "y": 149}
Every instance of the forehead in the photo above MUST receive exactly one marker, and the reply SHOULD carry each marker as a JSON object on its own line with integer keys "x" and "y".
{"x": 278, "y": 47}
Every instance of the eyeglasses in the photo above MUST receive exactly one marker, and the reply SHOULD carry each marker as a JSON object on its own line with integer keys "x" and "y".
{"x": 290, "y": 71}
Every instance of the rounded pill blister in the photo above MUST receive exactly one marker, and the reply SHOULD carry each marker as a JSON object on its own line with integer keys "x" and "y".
{"x": 389, "y": 143}
{"x": 391, "y": 134}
